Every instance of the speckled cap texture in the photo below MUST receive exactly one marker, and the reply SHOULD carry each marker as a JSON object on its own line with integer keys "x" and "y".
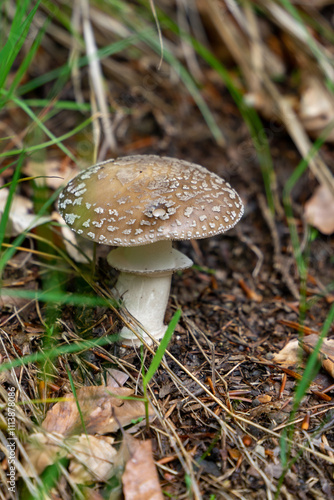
{"x": 137, "y": 200}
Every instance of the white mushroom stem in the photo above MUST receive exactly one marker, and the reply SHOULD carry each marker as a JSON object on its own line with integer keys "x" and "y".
{"x": 144, "y": 284}
{"x": 146, "y": 298}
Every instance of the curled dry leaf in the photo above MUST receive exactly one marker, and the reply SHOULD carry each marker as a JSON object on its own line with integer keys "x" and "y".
{"x": 102, "y": 410}
{"x": 140, "y": 479}
{"x": 92, "y": 459}
{"x": 326, "y": 353}
{"x": 316, "y": 108}
{"x": 20, "y": 217}
{"x": 288, "y": 356}
{"x": 42, "y": 451}
{"x": 319, "y": 210}
{"x": 54, "y": 172}
{"x": 116, "y": 378}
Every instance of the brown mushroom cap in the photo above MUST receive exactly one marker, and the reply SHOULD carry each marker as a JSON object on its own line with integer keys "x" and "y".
{"x": 137, "y": 200}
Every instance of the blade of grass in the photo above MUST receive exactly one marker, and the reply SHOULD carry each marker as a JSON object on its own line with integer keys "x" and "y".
{"x": 20, "y": 72}
{"x": 155, "y": 363}
{"x": 69, "y": 374}
{"x": 16, "y": 37}
{"x": 286, "y": 440}
{"x": 162, "y": 348}
{"x": 312, "y": 362}
{"x": 40, "y": 124}
{"x": 5, "y": 214}
{"x": 66, "y": 69}
{"x": 55, "y": 352}
{"x": 54, "y": 141}
{"x": 60, "y": 298}
{"x": 320, "y": 55}
{"x": 68, "y": 105}
{"x": 289, "y": 185}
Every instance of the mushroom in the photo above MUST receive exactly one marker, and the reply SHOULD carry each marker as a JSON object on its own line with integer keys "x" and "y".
{"x": 140, "y": 204}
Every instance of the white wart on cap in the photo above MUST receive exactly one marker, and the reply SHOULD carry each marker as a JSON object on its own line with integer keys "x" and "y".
{"x": 137, "y": 200}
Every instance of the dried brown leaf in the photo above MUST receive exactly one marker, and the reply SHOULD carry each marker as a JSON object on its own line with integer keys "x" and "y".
{"x": 42, "y": 452}
{"x": 102, "y": 409}
{"x": 92, "y": 459}
{"x": 116, "y": 378}
{"x": 316, "y": 109}
{"x": 326, "y": 354}
{"x": 140, "y": 479}
{"x": 288, "y": 356}
{"x": 54, "y": 172}
{"x": 319, "y": 210}
{"x": 20, "y": 215}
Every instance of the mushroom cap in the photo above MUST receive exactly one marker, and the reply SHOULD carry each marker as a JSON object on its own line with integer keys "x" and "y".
{"x": 137, "y": 200}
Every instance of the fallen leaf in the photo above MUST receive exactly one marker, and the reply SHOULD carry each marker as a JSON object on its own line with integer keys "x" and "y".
{"x": 116, "y": 378}
{"x": 54, "y": 172}
{"x": 326, "y": 353}
{"x": 92, "y": 459}
{"x": 20, "y": 217}
{"x": 316, "y": 107}
{"x": 273, "y": 470}
{"x": 288, "y": 356}
{"x": 42, "y": 451}
{"x": 140, "y": 479}
{"x": 319, "y": 210}
{"x": 103, "y": 410}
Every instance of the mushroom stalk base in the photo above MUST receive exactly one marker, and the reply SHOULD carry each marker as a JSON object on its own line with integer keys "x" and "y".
{"x": 144, "y": 285}
{"x": 146, "y": 298}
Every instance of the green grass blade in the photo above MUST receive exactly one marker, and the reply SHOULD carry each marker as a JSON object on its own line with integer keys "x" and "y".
{"x": 320, "y": 55}
{"x": 5, "y": 214}
{"x": 54, "y": 140}
{"x": 16, "y": 37}
{"x": 162, "y": 348}
{"x": 289, "y": 185}
{"x": 66, "y": 69}
{"x": 41, "y": 125}
{"x": 60, "y": 298}
{"x": 55, "y": 352}
{"x": 26, "y": 61}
